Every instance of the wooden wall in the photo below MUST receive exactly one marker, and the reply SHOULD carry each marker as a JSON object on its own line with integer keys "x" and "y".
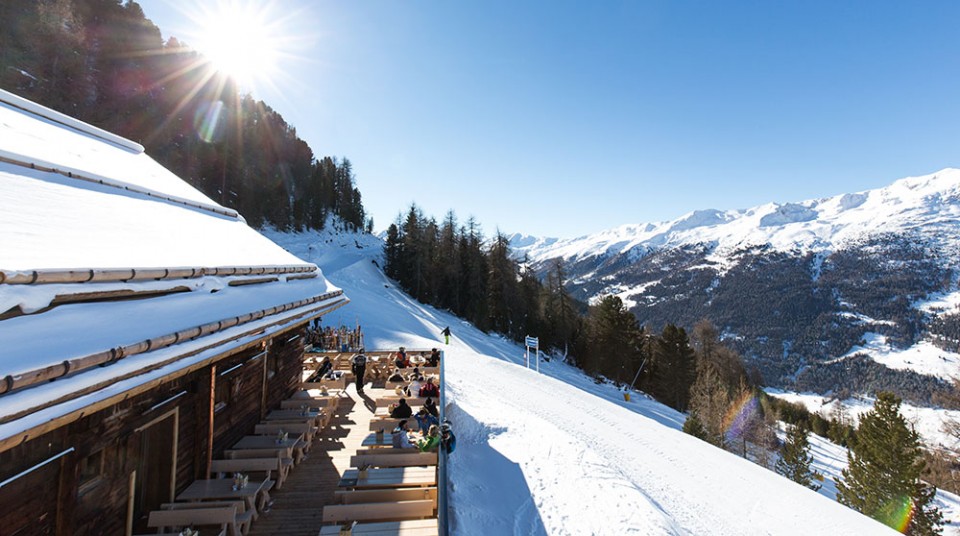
{"x": 52, "y": 500}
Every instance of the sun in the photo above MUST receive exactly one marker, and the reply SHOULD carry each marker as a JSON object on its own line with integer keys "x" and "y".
{"x": 242, "y": 40}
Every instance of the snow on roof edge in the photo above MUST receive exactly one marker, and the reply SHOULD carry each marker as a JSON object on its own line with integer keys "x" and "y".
{"x": 58, "y": 117}
{"x": 36, "y": 422}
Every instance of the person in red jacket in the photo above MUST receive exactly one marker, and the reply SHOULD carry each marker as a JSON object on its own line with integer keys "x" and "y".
{"x": 429, "y": 389}
{"x": 402, "y": 360}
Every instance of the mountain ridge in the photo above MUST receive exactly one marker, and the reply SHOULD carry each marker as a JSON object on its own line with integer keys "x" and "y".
{"x": 794, "y": 286}
{"x": 814, "y": 224}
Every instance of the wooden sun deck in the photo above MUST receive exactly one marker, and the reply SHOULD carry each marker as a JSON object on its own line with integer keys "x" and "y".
{"x": 298, "y": 507}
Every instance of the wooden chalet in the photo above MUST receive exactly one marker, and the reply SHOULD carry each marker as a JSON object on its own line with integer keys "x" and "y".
{"x": 143, "y": 327}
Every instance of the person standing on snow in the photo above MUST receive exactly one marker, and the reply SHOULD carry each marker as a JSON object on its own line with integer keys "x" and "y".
{"x": 359, "y": 369}
{"x": 446, "y": 334}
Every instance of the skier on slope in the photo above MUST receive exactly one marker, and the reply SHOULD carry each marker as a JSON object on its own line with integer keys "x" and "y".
{"x": 446, "y": 334}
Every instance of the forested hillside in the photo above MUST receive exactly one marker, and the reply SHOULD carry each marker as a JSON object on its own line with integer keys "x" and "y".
{"x": 103, "y": 62}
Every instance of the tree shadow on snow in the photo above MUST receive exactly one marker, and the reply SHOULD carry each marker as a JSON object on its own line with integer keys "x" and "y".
{"x": 488, "y": 492}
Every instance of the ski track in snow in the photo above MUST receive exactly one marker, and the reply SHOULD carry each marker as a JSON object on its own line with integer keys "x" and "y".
{"x": 555, "y": 453}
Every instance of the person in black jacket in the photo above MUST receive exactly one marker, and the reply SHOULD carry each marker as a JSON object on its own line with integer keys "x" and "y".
{"x": 402, "y": 411}
{"x": 446, "y": 334}
{"x": 359, "y": 369}
{"x": 431, "y": 407}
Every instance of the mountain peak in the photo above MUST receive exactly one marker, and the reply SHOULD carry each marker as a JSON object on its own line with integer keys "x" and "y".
{"x": 924, "y": 203}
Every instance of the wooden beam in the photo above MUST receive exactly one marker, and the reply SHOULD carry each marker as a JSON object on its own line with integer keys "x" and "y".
{"x": 213, "y": 401}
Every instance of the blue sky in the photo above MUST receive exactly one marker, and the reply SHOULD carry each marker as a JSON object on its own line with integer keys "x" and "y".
{"x": 563, "y": 118}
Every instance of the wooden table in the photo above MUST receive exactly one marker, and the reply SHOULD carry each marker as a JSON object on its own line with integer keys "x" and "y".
{"x": 373, "y": 441}
{"x": 221, "y": 489}
{"x": 308, "y": 415}
{"x": 390, "y": 477}
{"x": 415, "y": 527}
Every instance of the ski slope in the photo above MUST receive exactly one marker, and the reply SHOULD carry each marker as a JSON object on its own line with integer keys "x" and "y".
{"x": 554, "y": 453}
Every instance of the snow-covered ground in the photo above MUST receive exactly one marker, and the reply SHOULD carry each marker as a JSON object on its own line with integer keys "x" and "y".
{"x": 555, "y": 453}
{"x": 927, "y": 421}
{"x": 923, "y": 357}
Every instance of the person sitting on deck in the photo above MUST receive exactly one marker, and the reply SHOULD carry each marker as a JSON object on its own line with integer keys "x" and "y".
{"x": 425, "y": 420}
{"x": 415, "y": 384}
{"x": 402, "y": 362}
{"x": 414, "y": 375}
{"x": 434, "y": 359}
{"x": 402, "y": 411}
{"x": 429, "y": 389}
{"x": 431, "y": 441}
{"x": 396, "y": 376}
{"x": 431, "y": 407}
{"x": 400, "y": 438}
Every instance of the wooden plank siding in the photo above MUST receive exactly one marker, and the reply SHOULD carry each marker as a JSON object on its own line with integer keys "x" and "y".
{"x": 68, "y": 496}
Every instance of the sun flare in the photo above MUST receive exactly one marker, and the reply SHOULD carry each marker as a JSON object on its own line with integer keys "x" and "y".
{"x": 241, "y": 40}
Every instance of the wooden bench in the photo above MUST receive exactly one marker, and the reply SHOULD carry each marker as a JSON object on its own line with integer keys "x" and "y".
{"x": 412, "y": 401}
{"x": 241, "y": 464}
{"x": 416, "y": 527}
{"x": 403, "y": 459}
{"x": 224, "y": 517}
{"x": 384, "y": 495}
{"x": 382, "y": 511}
{"x": 388, "y": 449}
{"x": 244, "y": 517}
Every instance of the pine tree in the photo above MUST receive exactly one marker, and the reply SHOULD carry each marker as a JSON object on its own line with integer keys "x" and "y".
{"x": 795, "y": 458}
{"x": 615, "y": 339}
{"x": 883, "y": 477}
{"x": 674, "y": 368}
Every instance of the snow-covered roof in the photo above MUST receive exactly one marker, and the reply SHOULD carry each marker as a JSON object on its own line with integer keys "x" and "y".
{"x": 86, "y": 217}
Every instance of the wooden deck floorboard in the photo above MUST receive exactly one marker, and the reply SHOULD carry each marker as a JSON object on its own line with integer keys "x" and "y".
{"x": 298, "y": 507}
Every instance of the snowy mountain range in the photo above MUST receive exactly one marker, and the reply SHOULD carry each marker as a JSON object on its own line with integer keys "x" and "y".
{"x": 799, "y": 288}
{"x": 928, "y": 205}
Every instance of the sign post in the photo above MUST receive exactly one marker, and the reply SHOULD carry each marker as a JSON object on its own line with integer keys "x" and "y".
{"x": 532, "y": 342}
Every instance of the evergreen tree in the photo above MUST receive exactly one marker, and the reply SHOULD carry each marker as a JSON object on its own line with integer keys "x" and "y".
{"x": 614, "y": 340}
{"x": 883, "y": 477}
{"x": 561, "y": 319}
{"x": 795, "y": 458}
{"x": 392, "y": 252}
{"x": 501, "y": 286}
{"x": 674, "y": 368}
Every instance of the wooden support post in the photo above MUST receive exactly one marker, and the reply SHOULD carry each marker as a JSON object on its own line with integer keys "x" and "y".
{"x": 213, "y": 402}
